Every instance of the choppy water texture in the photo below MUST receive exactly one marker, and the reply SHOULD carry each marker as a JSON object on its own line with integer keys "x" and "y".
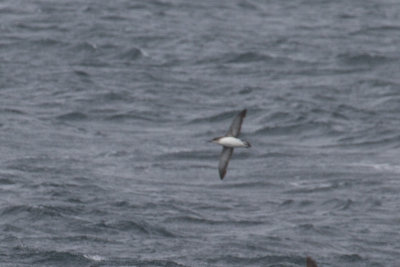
{"x": 106, "y": 106}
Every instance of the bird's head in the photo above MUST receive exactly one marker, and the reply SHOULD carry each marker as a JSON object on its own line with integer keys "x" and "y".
{"x": 214, "y": 140}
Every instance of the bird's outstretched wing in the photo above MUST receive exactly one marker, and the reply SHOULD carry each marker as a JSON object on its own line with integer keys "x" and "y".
{"x": 311, "y": 262}
{"x": 224, "y": 160}
{"x": 234, "y": 129}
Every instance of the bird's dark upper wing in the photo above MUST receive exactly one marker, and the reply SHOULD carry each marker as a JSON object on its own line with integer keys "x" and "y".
{"x": 224, "y": 160}
{"x": 234, "y": 129}
{"x": 311, "y": 262}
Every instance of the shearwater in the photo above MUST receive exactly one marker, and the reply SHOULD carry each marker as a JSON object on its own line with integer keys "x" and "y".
{"x": 229, "y": 141}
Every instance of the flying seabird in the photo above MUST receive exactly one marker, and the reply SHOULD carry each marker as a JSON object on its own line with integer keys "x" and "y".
{"x": 229, "y": 141}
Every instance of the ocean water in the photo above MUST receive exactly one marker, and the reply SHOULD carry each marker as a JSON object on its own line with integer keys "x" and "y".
{"x": 106, "y": 107}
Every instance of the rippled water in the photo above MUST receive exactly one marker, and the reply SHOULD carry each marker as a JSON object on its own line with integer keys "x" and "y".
{"x": 106, "y": 107}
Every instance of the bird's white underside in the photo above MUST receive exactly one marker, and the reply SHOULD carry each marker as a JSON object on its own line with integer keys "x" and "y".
{"x": 230, "y": 141}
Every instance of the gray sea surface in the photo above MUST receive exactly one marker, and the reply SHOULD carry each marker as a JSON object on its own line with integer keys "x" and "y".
{"x": 106, "y": 107}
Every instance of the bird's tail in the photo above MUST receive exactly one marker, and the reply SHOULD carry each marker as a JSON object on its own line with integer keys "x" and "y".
{"x": 247, "y": 144}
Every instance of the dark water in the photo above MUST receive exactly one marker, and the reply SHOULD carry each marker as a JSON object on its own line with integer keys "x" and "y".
{"x": 105, "y": 107}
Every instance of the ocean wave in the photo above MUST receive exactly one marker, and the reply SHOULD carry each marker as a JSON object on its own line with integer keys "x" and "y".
{"x": 248, "y": 184}
{"x": 366, "y": 59}
{"x": 247, "y": 57}
{"x": 12, "y": 111}
{"x": 132, "y": 54}
{"x": 123, "y": 96}
{"x": 370, "y": 140}
{"x": 39, "y": 257}
{"x": 251, "y": 57}
{"x": 318, "y": 187}
{"x": 308, "y": 128}
{"x": 139, "y": 227}
{"x": 73, "y": 116}
{"x": 386, "y": 167}
{"x": 267, "y": 260}
{"x": 133, "y": 115}
{"x": 6, "y": 181}
{"x": 187, "y": 154}
{"x": 33, "y": 256}
{"x": 290, "y": 203}
{"x": 84, "y": 47}
{"x": 350, "y": 258}
{"x": 95, "y": 258}
{"x": 383, "y": 29}
{"x": 39, "y": 211}
{"x": 339, "y": 204}
{"x": 189, "y": 219}
{"x": 215, "y": 118}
